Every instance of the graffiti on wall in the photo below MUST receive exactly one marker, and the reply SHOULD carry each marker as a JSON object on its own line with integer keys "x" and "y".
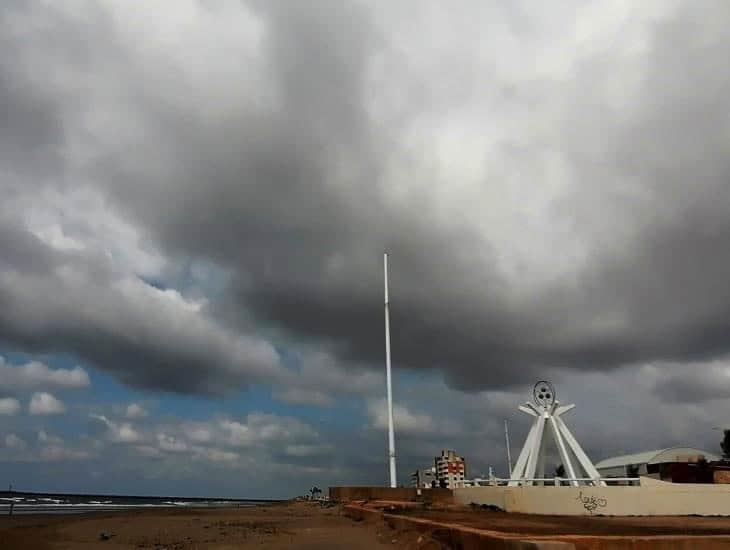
{"x": 591, "y": 503}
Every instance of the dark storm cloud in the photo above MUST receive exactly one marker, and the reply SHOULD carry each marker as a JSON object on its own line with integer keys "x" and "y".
{"x": 75, "y": 303}
{"x": 690, "y": 382}
{"x": 276, "y": 162}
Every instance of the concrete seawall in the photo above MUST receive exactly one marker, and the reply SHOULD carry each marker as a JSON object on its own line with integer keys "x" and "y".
{"x": 651, "y": 498}
{"x": 397, "y": 494}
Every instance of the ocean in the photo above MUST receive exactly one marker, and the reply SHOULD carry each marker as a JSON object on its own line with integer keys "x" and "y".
{"x": 48, "y": 503}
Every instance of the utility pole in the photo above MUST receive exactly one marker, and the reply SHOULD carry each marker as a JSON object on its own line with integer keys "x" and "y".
{"x": 509, "y": 455}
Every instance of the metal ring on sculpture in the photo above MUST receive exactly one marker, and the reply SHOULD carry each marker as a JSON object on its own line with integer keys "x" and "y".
{"x": 543, "y": 394}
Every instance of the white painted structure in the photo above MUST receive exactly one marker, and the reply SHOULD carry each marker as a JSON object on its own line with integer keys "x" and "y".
{"x": 506, "y": 443}
{"x": 388, "y": 382}
{"x": 546, "y": 412}
{"x": 651, "y": 498}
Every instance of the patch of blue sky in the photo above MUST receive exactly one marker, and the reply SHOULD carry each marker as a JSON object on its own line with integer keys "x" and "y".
{"x": 106, "y": 392}
{"x": 192, "y": 277}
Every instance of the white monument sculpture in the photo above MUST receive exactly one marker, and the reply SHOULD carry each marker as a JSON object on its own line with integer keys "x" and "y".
{"x": 547, "y": 412}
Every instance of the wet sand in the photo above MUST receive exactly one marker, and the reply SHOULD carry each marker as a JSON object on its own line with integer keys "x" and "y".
{"x": 297, "y": 525}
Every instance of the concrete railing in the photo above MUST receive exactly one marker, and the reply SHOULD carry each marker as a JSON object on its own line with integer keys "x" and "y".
{"x": 556, "y": 481}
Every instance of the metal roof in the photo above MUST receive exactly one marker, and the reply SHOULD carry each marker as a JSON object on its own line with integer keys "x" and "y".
{"x": 670, "y": 454}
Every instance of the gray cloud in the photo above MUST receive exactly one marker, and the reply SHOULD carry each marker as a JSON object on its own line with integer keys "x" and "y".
{"x": 689, "y": 383}
{"x": 45, "y": 448}
{"x": 145, "y": 336}
{"x": 43, "y": 403}
{"x": 546, "y": 202}
{"x": 9, "y": 405}
{"x": 34, "y": 375}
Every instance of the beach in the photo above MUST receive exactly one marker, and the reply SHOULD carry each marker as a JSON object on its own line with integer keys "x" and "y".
{"x": 291, "y": 525}
{"x": 356, "y": 525}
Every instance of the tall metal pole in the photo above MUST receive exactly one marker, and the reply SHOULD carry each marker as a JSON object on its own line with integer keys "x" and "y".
{"x": 509, "y": 455}
{"x": 391, "y": 433}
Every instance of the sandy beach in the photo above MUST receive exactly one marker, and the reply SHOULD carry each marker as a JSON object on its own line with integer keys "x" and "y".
{"x": 310, "y": 526}
{"x": 296, "y": 525}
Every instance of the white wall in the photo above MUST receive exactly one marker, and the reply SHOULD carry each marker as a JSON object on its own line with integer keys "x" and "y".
{"x": 653, "y": 497}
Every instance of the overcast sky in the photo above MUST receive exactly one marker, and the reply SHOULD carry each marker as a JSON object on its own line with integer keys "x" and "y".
{"x": 195, "y": 197}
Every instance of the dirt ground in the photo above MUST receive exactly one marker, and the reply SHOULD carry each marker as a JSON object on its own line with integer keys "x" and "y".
{"x": 309, "y": 526}
{"x": 297, "y": 525}
{"x": 575, "y": 525}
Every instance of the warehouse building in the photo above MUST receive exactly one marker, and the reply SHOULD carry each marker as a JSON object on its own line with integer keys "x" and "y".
{"x": 660, "y": 464}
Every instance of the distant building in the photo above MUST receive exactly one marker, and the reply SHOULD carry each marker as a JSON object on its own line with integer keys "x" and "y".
{"x": 450, "y": 469}
{"x": 660, "y": 464}
{"x": 424, "y": 477}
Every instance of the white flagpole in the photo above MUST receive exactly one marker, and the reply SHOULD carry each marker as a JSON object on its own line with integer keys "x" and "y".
{"x": 391, "y": 432}
{"x": 509, "y": 454}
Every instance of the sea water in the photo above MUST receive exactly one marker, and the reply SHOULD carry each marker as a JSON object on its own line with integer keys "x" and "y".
{"x": 42, "y": 503}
